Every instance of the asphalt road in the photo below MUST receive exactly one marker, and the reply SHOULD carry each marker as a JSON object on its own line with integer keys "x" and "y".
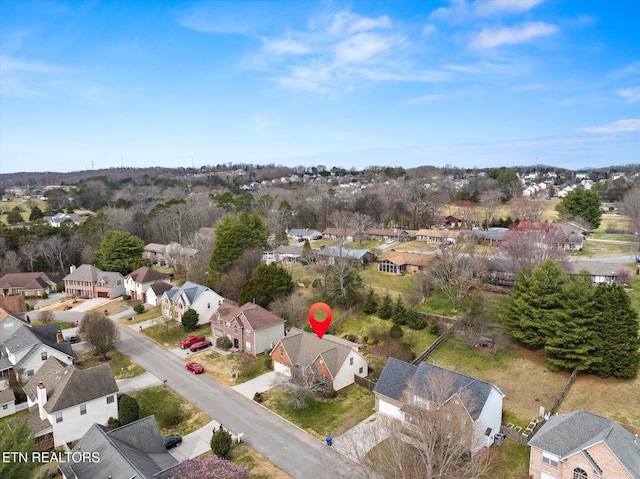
{"x": 294, "y": 451}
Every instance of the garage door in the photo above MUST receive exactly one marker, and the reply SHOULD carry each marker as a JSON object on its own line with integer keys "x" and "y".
{"x": 390, "y": 409}
{"x": 103, "y": 294}
{"x": 282, "y": 368}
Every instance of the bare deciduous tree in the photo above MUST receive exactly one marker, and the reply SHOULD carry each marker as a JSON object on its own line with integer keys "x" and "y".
{"x": 529, "y": 244}
{"x": 46, "y": 317}
{"x": 292, "y": 308}
{"x": 100, "y": 332}
{"x": 304, "y": 385}
{"x": 455, "y": 272}
{"x": 527, "y": 208}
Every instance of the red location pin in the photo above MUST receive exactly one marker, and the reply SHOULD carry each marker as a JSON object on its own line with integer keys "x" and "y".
{"x": 320, "y": 322}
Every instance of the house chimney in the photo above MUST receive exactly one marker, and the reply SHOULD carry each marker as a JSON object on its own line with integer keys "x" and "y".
{"x": 59, "y": 337}
{"x": 72, "y": 268}
{"x": 41, "y": 397}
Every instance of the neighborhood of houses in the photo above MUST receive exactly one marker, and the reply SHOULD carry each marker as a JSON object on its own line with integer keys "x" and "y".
{"x": 70, "y": 406}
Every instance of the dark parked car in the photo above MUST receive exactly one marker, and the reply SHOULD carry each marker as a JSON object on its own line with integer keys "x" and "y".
{"x": 200, "y": 345}
{"x": 172, "y": 441}
{"x": 72, "y": 339}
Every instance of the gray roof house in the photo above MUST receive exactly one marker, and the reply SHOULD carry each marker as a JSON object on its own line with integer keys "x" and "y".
{"x": 598, "y": 271}
{"x": 134, "y": 450}
{"x": 304, "y": 233}
{"x": 87, "y": 281}
{"x": 582, "y": 445}
{"x": 179, "y": 299}
{"x": 59, "y": 218}
{"x": 330, "y": 253}
{"x": 70, "y": 399}
{"x": 402, "y": 386}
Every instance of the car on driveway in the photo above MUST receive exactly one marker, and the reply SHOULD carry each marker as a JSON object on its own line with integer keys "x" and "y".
{"x": 190, "y": 341}
{"x": 195, "y": 368}
{"x": 172, "y": 441}
{"x": 201, "y": 345}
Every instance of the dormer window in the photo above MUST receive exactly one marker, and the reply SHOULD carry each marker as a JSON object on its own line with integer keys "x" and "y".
{"x": 43, "y": 355}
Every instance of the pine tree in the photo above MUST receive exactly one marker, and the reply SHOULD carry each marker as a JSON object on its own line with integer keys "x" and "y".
{"x": 573, "y": 340}
{"x": 385, "y": 310}
{"x": 221, "y": 443}
{"x": 370, "y": 304}
{"x": 537, "y": 295}
{"x": 616, "y": 326}
{"x": 399, "y": 315}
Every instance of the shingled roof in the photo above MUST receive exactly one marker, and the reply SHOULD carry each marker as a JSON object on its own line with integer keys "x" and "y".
{"x": 68, "y": 386}
{"x": 400, "y": 258}
{"x": 134, "y": 450}
{"x": 26, "y": 337}
{"x": 567, "y": 434}
{"x": 251, "y": 315}
{"x": 147, "y": 275}
{"x": 38, "y": 280}
{"x": 91, "y": 274}
{"x": 398, "y": 375}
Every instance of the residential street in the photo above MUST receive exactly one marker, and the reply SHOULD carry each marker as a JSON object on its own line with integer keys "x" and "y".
{"x": 294, "y": 451}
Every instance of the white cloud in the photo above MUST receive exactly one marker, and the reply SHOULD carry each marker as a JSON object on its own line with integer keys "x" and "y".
{"x": 494, "y": 7}
{"x": 364, "y": 46}
{"x": 494, "y": 37}
{"x": 459, "y": 10}
{"x": 285, "y": 47}
{"x": 426, "y": 99}
{"x": 262, "y": 123}
{"x": 531, "y": 87}
{"x": 630, "y": 94}
{"x": 428, "y": 30}
{"x": 619, "y": 126}
{"x": 347, "y": 22}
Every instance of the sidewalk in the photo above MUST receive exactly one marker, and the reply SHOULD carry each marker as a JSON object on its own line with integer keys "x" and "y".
{"x": 260, "y": 384}
{"x": 137, "y": 383}
{"x": 198, "y": 442}
{"x": 360, "y": 439}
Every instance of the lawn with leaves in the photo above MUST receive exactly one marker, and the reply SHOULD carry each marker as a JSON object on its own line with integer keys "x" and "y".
{"x": 512, "y": 461}
{"x": 150, "y": 313}
{"x": 171, "y": 335}
{"x": 221, "y": 366}
{"x": 322, "y": 417}
{"x": 122, "y": 366}
{"x": 158, "y": 400}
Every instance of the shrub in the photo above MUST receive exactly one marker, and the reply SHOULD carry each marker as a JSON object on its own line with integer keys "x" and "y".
{"x": 139, "y": 308}
{"x": 395, "y": 331}
{"x": 171, "y": 415}
{"x": 126, "y": 297}
{"x": 434, "y": 327}
{"x": 45, "y": 295}
{"x": 190, "y": 319}
{"x": 330, "y": 393}
{"x": 224, "y": 343}
{"x": 268, "y": 362}
{"x": 415, "y": 320}
{"x": 371, "y": 341}
{"x": 113, "y": 423}
{"x": 221, "y": 443}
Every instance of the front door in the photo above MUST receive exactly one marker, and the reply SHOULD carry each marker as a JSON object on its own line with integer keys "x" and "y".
{"x": 236, "y": 343}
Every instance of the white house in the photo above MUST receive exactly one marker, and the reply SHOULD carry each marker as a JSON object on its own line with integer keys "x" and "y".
{"x": 190, "y": 295}
{"x": 59, "y": 218}
{"x": 70, "y": 400}
{"x": 336, "y": 360}
{"x": 7, "y": 402}
{"x": 402, "y": 386}
{"x": 138, "y": 282}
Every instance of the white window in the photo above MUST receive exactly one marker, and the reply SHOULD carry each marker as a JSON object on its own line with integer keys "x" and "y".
{"x": 550, "y": 459}
{"x": 247, "y": 332}
{"x": 5, "y": 406}
{"x": 579, "y": 474}
{"x": 545, "y": 475}
{"x": 30, "y": 372}
{"x": 83, "y": 409}
{"x": 350, "y": 361}
{"x": 110, "y": 399}
{"x": 247, "y": 345}
{"x": 58, "y": 417}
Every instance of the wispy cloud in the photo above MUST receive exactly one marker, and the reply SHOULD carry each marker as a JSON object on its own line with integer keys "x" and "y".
{"x": 630, "y": 94}
{"x": 262, "y": 124}
{"x": 347, "y": 22}
{"x": 496, "y": 7}
{"x": 285, "y": 46}
{"x": 619, "y": 126}
{"x": 495, "y": 37}
{"x": 426, "y": 99}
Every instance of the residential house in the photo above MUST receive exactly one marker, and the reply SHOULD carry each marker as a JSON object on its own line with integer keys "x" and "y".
{"x": 440, "y": 236}
{"x": 583, "y": 445}
{"x": 155, "y": 291}
{"x": 453, "y": 221}
{"x": 397, "y": 262}
{"x": 291, "y": 253}
{"x": 491, "y": 237}
{"x": 178, "y": 299}
{"x": 155, "y": 254}
{"x": 345, "y": 234}
{"x": 29, "y": 284}
{"x": 168, "y": 255}
{"x": 329, "y": 255}
{"x": 28, "y": 348}
{"x": 598, "y": 271}
{"x": 304, "y": 233}
{"x": 139, "y": 281}
{"x": 336, "y": 361}
{"x": 89, "y": 282}
{"x": 135, "y": 450}
{"x": 250, "y": 327}
{"x": 384, "y": 234}
{"x": 403, "y": 386}
{"x": 59, "y": 218}
{"x": 15, "y": 306}
{"x": 66, "y": 401}
{"x": 7, "y": 402}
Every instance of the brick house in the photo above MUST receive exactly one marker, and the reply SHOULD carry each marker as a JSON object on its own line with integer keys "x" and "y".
{"x": 29, "y": 284}
{"x": 583, "y": 445}
{"x": 335, "y": 360}
{"x": 396, "y": 262}
{"x": 250, "y": 327}
{"x": 89, "y": 282}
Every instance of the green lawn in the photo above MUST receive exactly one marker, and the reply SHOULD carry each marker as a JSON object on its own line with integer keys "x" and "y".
{"x": 36, "y": 322}
{"x": 512, "y": 461}
{"x": 171, "y": 336}
{"x": 151, "y": 313}
{"x": 157, "y": 400}
{"x": 122, "y": 366}
{"x": 327, "y": 416}
{"x": 385, "y": 282}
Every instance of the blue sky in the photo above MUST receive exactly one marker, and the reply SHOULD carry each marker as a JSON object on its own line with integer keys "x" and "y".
{"x": 396, "y": 83}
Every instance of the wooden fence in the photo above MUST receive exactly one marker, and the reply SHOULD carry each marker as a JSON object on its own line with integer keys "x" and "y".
{"x": 563, "y": 393}
{"x": 441, "y": 339}
{"x": 349, "y": 312}
{"x": 364, "y": 382}
{"x": 448, "y": 320}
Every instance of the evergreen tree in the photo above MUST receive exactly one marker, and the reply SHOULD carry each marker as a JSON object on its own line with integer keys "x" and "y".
{"x": 537, "y": 295}
{"x": 119, "y": 251}
{"x": 399, "y": 314}
{"x": 616, "y": 327}
{"x": 128, "y": 409}
{"x": 267, "y": 283}
{"x": 415, "y": 320}
{"x": 370, "y": 304}
{"x": 307, "y": 253}
{"x": 583, "y": 204}
{"x": 14, "y": 216}
{"x": 190, "y": 319}
{"x": 385, "y": 310}
{"x": 17, "y": 439}
{"x": 35, "y": 214}
{"x": 221, "y": 443}
{"x": 233, "y": 236}
{"x": 571, "y": 340}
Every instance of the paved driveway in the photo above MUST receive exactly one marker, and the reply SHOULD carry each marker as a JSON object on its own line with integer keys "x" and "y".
{"x": 257, "y": 385}
{"x": 294, "y": 451}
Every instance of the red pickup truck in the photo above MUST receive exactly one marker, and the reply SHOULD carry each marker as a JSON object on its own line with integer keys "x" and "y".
{"x": 190, "y": 341}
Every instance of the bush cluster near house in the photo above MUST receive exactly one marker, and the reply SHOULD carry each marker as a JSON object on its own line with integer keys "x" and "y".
{"x": 591, "y": 328}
